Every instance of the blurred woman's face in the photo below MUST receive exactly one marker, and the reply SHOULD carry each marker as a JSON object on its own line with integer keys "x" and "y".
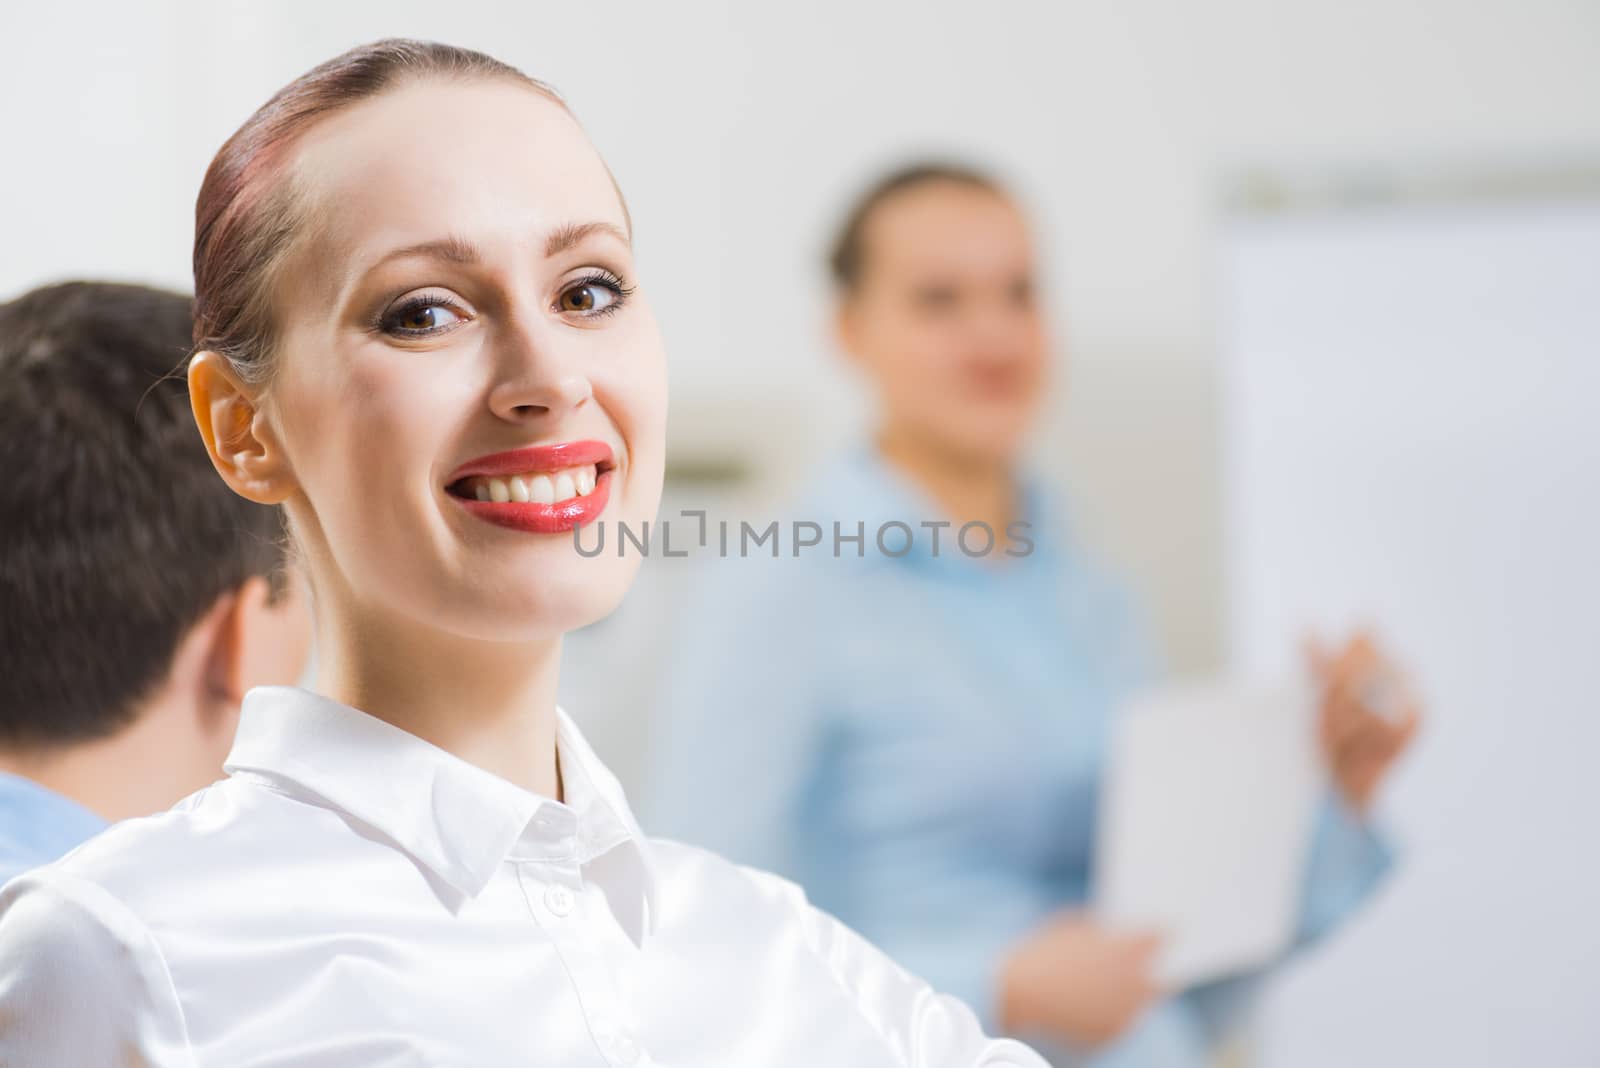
{"x": 468, "y": 367}
{"x": 944, "y": 318}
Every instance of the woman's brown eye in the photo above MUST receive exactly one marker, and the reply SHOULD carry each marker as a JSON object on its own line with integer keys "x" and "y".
{"x": 587, "y": 299}
{"x": 425, "y": 316}
{"x": 422, "y": 319}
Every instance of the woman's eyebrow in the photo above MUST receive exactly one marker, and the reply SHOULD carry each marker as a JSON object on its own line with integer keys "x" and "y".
{"x": 458, "y": 250}
{"x": 451, "y": 249}
{"x": 564, "y": 237}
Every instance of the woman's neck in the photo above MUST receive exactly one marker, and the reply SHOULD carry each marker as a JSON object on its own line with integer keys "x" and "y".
{"x": 492, "y": 704}
{"x": 967, "y": 488}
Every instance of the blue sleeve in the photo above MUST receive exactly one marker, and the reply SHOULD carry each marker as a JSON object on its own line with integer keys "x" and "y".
{"x": 736, "y": 730}
{"x": 1349, "y": 858}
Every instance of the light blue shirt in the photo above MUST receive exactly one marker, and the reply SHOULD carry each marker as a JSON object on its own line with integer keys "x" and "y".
{"x": 918, "y": 740}
{"x": 38, "y": 825}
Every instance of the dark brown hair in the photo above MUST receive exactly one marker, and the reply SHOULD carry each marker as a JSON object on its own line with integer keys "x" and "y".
{"x": 246, "y": 214}
{"x": 116, "y": 535}
{"x": 847, "y": 255}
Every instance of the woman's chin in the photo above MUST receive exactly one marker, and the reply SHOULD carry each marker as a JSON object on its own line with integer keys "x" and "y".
{"x": 546, "y": 605}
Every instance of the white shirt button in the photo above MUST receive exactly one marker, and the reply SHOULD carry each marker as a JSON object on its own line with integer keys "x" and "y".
{"x": 558, "y": 899}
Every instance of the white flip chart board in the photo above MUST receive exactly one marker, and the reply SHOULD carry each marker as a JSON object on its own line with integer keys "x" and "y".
{"x": 1412, "y": 420}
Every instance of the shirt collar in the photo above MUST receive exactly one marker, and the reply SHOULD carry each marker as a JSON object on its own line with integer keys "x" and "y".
{"x": 449, "y": 815}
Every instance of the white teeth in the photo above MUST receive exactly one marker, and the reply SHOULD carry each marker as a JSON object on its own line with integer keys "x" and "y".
{"x": 548, "y": 488}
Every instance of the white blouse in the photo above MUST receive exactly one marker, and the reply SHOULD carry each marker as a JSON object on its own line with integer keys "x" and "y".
{"x": 354, "y": 896}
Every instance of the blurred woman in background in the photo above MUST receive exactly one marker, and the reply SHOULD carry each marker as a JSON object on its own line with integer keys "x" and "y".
{"x": 918, "y": 737}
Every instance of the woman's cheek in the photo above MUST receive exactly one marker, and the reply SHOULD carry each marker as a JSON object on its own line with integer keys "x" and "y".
{"x": 403, "y": 404}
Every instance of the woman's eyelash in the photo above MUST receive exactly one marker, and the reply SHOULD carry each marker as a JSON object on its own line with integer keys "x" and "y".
{"x": 390, "y": 318}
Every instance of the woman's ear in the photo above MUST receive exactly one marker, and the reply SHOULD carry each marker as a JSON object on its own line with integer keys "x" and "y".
{"x": 243, "y": 448}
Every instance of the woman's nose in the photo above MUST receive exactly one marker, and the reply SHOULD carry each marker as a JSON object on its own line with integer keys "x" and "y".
{"x": 536, "y": 375}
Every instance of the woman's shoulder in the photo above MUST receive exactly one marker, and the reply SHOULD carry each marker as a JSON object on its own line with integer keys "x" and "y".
{"x": 676, "y": 861}
{"x": 133, "y": 853}
{"x": 84, "y": 907}
{"x": 152, "y": 867}
{"x": 700, "y": 890}
{"x": 746, "y": 925}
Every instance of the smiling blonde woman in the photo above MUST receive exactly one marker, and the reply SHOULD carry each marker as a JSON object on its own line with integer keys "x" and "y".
{"x": 418, "y": 327}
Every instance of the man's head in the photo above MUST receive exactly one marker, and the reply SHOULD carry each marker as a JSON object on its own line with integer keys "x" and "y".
{"x": 138, "y": 594}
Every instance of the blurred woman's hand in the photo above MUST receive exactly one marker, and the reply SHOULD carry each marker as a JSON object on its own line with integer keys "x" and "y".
{"x": 1073, "y": 979}
{"x": 1368, "y": 716}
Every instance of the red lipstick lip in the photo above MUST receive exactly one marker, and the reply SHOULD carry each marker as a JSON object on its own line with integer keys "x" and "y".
{"x": 537, "y": 458}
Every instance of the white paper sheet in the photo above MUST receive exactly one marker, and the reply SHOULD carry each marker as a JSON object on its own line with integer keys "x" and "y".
{"x": 1205, "y": 824}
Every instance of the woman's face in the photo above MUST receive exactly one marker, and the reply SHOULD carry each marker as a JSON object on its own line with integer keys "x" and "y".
{"x": 460, "y": 320}
{"x": 944, "y": 318}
